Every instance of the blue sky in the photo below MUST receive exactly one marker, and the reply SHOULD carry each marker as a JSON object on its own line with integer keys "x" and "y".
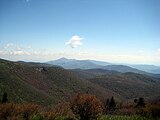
{"x": 120, "y": 31}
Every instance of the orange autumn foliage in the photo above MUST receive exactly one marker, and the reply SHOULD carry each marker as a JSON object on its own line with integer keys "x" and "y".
{"x": 86, "y": 106}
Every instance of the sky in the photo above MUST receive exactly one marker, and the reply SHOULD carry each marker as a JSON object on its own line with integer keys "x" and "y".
{"x": 117, "y": 31}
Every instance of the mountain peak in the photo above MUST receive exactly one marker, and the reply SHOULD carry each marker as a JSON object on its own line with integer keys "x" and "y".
{"x": 63, "y": 58}
{"x": 74, "y": 64}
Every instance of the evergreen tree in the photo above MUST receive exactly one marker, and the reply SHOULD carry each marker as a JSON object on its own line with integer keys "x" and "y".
{"x": 112, "y": 104}
{"x": 135, "y": 100}
{"x": 141, "y": 102}
{"x": 107, "y": 106}
{"x": 4, "y": 99}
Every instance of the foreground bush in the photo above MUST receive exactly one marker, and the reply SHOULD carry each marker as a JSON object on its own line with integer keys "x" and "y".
{"x": 126, "y": 109}
{"x": 61, "y": 111}
{"x": 86, "y": 107}
{"x": 11, "y": 111}
{"x": 116, "y": 117}
{"x": 38, "y": 117}
{"x": 152, "y": 109}
{"x": 83, "y": 107}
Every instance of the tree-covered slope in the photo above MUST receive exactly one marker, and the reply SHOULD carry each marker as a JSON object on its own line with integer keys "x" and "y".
{"x": 45, "y": 84}
{"x": 33, "y": 82}
{"x": 130, "y": 85}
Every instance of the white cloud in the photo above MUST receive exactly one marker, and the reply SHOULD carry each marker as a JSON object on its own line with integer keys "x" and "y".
{"x": 140, "y": 51}
{"x": 2, "y": 52}
{"x": 9, "y": 45}
{"x": 75, "y": 41}
{"x": 12, "y": 46}
{"x": 20, "y": 52}
{"x": 13, "y": 49}
{"x": 16, "y": 52}
{"x": 158, "y": 53}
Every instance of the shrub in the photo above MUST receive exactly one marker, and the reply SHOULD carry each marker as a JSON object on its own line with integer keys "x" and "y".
{"x": 38, "y": 117}
{"x": 153, "y": 109}
{"x": 18, "y": 111}
{"x": 86, "y": 107}
{"x": 140, "y": 102}
{"x": 63, "y": 109}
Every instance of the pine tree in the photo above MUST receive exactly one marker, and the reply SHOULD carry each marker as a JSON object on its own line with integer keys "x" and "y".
{"x": 141, "y": 102}
{"x": 135, "y": 100}
{"x": 107, "y": 106}
{"x": 112, "y": 104}
{"x": 4, "y": 99}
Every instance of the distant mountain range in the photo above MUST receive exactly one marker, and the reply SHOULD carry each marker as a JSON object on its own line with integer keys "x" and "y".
{"x": 78, "y": 64}
{"x": 92, "y": 64}
{"x": 148, "y": 68}
{"x": 48, "y": 84}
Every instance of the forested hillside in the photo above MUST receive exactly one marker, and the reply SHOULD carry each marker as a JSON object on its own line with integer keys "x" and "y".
{"x": 42, "y": 83}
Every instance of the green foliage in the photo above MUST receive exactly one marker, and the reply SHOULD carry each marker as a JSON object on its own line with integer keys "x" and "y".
{"x": 40, "y": 83}
{"x": 128, "y": 85}
{"x": 44, "y": 84}
{"x": 115, "y": 117}
{"x": 38, "y": 117}
{"x": 64, "y": 118}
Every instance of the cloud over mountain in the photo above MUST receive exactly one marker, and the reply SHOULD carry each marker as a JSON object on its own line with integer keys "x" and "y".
{"x": 75, "y": 41}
